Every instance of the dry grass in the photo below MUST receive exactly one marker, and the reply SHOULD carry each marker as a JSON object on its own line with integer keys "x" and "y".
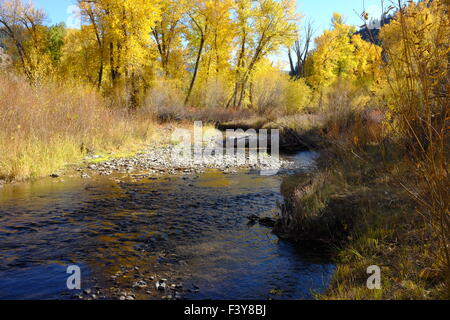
{"x": 47, "y": 126}
{"x": 164, "y": 102}
{"x": 356, "y": 209}
{"x": 418, "y": 75}
{"x": 410, "y": 242}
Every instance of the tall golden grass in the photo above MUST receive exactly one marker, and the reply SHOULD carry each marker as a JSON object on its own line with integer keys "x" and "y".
{"x": 391, "y": 152}
{"x": 44, "y": 127}
{"x": 419, "y": 78}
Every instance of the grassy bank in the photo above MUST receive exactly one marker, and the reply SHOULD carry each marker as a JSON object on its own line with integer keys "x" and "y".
{"x": 45, "y": 127}
{"x": 357, "y": 210}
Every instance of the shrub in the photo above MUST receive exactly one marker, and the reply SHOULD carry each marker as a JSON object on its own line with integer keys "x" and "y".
{"x": 164, "y": 101}
{"x": 298, "y": 97}
{"x": 416, "y": 44}
{"x": 47, "y": 126}
{"x": 349, "y": 120}
{"x": 267, "y": 92}
{"x": 212, "y": 95}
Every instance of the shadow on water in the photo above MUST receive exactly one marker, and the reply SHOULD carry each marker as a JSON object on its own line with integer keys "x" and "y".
{"x": 193, "y": 229}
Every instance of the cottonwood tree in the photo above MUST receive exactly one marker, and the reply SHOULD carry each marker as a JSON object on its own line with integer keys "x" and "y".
{"x": 22, "y": 26}
{"x": 301, "y": 50}
{"x": 214, "y": 68}
{"x": 167, "y": 34}
{"x": 199, "y": 20}
{"x": 80, "y": 60}
{"x": 122, "y": 29}
{"x": 264, "y": 26}
{"x": 340, "y": 53}
{"x": 92, "y": 14}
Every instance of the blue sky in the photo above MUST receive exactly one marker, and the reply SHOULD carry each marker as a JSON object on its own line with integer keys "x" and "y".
{"x": 320, "y": 11}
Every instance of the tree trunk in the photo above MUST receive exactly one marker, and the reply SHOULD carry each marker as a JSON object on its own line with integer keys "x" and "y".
{"x": 194, "y": 76}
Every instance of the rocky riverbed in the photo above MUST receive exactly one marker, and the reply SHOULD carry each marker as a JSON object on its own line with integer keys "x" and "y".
{"x": 171, "y": 160}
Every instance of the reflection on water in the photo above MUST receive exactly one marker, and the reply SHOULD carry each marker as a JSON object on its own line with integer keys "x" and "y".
{"x": 195, "y": 227}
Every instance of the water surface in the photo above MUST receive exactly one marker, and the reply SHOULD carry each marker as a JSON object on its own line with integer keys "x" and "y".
{"x": 190, "y": 229}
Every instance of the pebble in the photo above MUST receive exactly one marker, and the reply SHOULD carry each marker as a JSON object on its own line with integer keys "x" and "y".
{"x": 178, "y": 296}
{"x": 140, "y": 284}
{"x": 161, "y": 285}
{"x": 166, "y": 160}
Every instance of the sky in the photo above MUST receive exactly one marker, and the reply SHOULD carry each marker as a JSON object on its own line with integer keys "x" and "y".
{"x": 319, "y": 11}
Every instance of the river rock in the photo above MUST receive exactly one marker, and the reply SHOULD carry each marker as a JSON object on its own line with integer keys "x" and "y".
{"x": 161, "y": 285}
{"x": 178, "y": 296}
{"x": 140, "y": 284}
{"x": 166, "y": 159}
{"x": 267, "y": 222}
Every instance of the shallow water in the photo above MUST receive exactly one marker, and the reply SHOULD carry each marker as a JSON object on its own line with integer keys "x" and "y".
{"x": 189, "y": 229}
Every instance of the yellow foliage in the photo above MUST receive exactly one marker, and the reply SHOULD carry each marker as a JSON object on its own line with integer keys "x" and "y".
{"x": 273, "y": 92}
{"x": 341, "y": 54}
{"x": 417, "y": 47}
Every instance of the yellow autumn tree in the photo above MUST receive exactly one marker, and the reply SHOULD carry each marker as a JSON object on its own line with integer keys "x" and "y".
{"x": 122, "y": 29}
{"x": 264, "y": 26}
{"x": 210, "y": 36}
{"x": 341, "y": 54}
{"x": 167, "y": 33}
{"x": 81, "y": 60}
{"x": 23, "y": 27}
{"x": 214, "y": 74}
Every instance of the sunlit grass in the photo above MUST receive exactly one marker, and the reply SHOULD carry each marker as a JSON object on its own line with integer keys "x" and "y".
{"x": 46, "y": 127}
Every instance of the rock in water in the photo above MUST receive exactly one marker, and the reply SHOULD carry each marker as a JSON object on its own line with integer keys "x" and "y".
{"x": 267, "y": 222}
{"x": 161, "y": 285}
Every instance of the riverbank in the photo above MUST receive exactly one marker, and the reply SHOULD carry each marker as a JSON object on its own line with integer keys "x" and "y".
{"x": 174, "y": 158}
{"x": 51, "y": 127}
{"x": 46, "y": 127}
{"x": 355, "y": 206}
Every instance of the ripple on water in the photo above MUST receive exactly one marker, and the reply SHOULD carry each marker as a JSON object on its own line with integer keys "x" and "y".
{"x": 154, "y": 224}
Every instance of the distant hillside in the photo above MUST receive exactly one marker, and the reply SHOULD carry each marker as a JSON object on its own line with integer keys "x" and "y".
{"x": 371, "y": 31}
